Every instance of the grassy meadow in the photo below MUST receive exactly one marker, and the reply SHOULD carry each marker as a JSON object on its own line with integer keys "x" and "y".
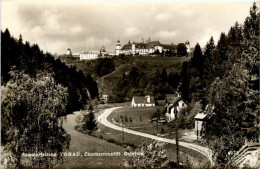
{"x": 139, "y": 119}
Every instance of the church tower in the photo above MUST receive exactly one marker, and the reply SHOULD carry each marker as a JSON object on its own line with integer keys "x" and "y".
{"x": 187, "y": 43}
{"x": 118, "y": 48}
{"x": 68, "y": 52}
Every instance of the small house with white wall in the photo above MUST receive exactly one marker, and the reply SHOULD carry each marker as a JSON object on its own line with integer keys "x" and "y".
{"x": 174, "y": 104}
{"x": 201, "y": 118}
{"x": 103, "y": 97}
{"x": 143, "y": 101}
{"x": 200, "y": 121}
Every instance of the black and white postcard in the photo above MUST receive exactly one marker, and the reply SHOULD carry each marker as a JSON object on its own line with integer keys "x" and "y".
{"x": 130, "y": 84}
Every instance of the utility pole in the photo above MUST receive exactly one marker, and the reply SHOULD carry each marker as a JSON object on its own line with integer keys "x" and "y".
{"x": 157, "y": 126}
{"x": 157, "y": 120}
{"x": 177, "y": 139}
{"x": 118, "y": 115}
{"x": 122, "y": 133}
{"x": 122, "y": 123}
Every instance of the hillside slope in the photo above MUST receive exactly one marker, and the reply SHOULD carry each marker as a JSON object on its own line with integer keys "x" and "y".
{"x": 142, "y": 76}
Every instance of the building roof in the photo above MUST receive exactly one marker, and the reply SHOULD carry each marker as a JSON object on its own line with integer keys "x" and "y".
{"x": 200, "y": 116}
{"x": 127, "y": 46}
{"x": 169, "y": 46}
{"x": 153, "y": 44}
{"x": 141, "y": 45}
{"x": 91, "y": 52}
{"x": 171, "y": 98}
{"x": 149, "y": 44}
{"x": 143, "y": 100}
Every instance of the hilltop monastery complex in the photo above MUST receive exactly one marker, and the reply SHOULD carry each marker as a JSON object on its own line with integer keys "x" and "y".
{"x": 145, "y": 48}
{"x": 139, "y": 48}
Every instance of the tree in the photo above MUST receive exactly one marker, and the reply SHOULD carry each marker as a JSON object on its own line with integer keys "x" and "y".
{"x": 185, "y": 82}
{"x": 156, "y": 52}
{"x": 220, "y": 56}
{"x": 31, "y": 119}
{"x": 236, "y": 108}
{"x": 235, "y": 97}
{"x": 104, "y": 66}
{"x": 157, "y": 115}
{"x": 235, "y": 36}
{"x": 209, "y": 75}
{"x": 174, "y": 79}
{"x": 181, "y": 49}
{"x": 251, "y": 24}
{"x": 197, "y": 60}
{"x": 91, "y": 123}
{"x": 164, "y": 76}
{"x": 153, "y": 156}
{"x": 31, "y": 60}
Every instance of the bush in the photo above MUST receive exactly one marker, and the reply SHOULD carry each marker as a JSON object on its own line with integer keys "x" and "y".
{"x": 91, "y": 124}
{"x": 111, "y": 140}
{"x": 154, "y": 156}
{"x": 162, "y": 131}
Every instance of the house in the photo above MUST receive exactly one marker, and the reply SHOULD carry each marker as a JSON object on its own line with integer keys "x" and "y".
{"x": 103, "y": 97}
{"x": 200, "y": 120}
{"x": 173, "y": 103}
{"x": 142, "y": 101}
{"x": 171, "y": 98}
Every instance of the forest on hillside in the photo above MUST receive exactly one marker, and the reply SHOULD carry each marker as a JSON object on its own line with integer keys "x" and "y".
{"x": 226, "y": 76}
{"x": 37, "y": 92}
{"x": 122, "y": 77}
{"x": 20, "y": 56}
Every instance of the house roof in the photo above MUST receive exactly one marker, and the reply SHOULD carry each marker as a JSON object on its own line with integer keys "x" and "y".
{"x": 171, "y": 98}
{"x": 200, "y": 116}
{"x": 143, "y": 100}
{"x": 171, "y": 95}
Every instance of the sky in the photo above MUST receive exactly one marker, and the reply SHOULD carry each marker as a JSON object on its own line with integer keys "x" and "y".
{"x": 89, "y": 25}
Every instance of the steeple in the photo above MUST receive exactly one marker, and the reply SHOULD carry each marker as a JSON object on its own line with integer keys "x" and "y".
{"x": 118, "y": 43}
{"x": 118, "y": 48}
{"x": 187, "y": 42}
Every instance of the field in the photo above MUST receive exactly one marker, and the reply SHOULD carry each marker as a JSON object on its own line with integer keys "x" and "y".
{"x": 139, "y": 119}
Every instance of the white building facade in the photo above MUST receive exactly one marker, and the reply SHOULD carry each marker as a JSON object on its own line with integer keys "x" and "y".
{"x": 89, "y": 55}
{"x": 143, "y": 48}
{"x": 170, "y": 114}
{"x": 142, "y": 101}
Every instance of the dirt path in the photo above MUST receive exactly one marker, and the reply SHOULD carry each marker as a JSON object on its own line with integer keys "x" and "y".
{"x": 103, "y": 119}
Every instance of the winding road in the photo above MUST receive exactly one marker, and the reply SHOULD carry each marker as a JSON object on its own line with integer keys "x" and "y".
{"x": 103, "y": 119}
